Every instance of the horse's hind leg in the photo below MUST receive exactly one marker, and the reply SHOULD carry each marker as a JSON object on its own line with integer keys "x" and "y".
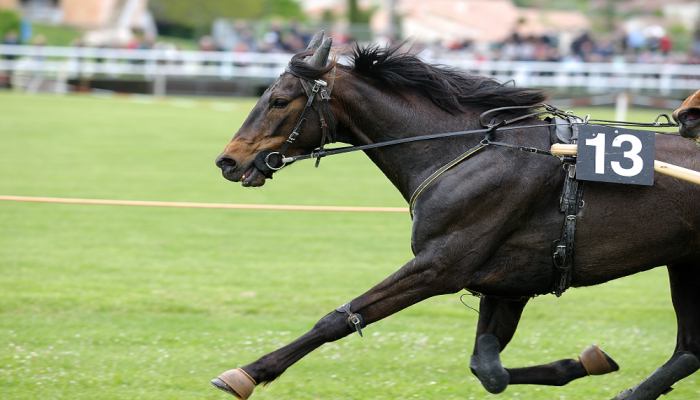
{"x": 498, "y": 320}
{"x": 685, "y": 280}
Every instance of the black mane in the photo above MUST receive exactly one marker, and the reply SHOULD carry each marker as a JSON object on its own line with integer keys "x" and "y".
{"x": 446, "y": 87}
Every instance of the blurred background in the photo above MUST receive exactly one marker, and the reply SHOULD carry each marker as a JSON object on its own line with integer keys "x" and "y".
{"x": 134, "y": 99}
{"x": 590, "y": 51}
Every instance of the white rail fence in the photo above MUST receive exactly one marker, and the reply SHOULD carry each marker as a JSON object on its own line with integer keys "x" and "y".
{"x": 59, "y": 64}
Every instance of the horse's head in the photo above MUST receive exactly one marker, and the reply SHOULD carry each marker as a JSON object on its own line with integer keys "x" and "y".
{"x": 688, "y": 117}
{"x": 253, "y": 154}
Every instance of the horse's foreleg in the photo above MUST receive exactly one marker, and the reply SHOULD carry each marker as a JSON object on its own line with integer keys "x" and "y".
{"x": 684, "y": 279}
{"x": 498, "y": 320}
{"x": 414, "y": 282}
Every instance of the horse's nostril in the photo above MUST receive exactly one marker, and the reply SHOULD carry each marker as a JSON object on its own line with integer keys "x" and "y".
{"x": 225, "y": 162}
{"x": 688, "y": 115}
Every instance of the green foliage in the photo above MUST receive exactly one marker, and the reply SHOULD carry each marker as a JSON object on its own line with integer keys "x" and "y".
{"x": 681, "y": 36}
{"x": 284, "y": 9}
{"x": 200, "y": 14}
{"x": 57, "y": 35}
{"x": 357, "y": 15}
{"x": 115, "y": 302}
{"x": 551, "y": 4}
{"x": 193, "y": 13}
{"x": 328, "y": 16}
{"x": 9, "y": 21}
{"x": 359, "y": 20}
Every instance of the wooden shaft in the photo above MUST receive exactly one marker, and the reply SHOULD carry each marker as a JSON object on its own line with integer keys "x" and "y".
{"x": 661, "y": 167}
{"x": 564, "y": 149}
{"x": 677, "y": 172}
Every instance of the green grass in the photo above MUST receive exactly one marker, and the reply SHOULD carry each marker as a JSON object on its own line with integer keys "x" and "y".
{"x": 181, "y": 43}
{"x": 117, "y": 302}
{"x": 57, "y": 35}
{"x": 66, "y": 36}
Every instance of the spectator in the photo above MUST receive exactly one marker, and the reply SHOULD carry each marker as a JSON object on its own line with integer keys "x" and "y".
{"x": 636, "y": 41}
{"x": 11, "y": 38}
{"x": 273, "y": 38}
{"x": 666, "y": 44}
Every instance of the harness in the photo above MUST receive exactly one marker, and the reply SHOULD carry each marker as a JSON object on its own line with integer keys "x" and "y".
{"x": 563, "y": 129}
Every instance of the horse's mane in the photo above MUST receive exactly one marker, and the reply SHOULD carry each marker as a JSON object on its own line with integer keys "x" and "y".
{"x": 446, "y": 87}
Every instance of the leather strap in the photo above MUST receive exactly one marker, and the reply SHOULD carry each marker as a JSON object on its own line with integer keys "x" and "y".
{"x": 563, "y": 248}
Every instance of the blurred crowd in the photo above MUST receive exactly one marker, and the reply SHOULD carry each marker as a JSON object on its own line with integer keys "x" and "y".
{"x": 651, "y": 46}
{"x": 632, "y": 47}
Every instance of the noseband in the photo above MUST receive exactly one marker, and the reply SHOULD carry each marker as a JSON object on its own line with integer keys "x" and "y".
{"x": 269, "y": 161}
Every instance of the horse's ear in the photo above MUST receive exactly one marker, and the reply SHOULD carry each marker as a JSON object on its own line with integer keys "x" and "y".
{"x": 320, "y": 57}
{"x": 315, "y": 43}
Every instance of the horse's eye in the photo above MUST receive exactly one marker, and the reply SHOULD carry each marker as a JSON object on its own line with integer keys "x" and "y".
{"x": 279, "y": 103}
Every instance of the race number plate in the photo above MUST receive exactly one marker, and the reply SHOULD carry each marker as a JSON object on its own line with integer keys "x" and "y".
{"x": 618, "y": 155}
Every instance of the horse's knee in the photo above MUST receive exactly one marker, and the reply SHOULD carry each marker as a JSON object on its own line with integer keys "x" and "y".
{"x": 485, "y": 364}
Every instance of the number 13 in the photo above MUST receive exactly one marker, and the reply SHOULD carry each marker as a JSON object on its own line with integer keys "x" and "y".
{"x": 632, "y": 154}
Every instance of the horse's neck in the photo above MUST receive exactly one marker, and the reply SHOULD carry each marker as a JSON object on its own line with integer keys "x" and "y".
{"x": 373, "y": 117}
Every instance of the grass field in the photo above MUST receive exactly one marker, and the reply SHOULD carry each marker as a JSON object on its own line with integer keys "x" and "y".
{"x": 110, "y": 302}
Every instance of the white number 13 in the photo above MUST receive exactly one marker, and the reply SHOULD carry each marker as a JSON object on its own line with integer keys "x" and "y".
{"x": 632, "y": 154}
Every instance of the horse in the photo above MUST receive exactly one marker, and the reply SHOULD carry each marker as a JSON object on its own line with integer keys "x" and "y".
{"x": 688, "y": 117}
{"x": 487, "y": 223}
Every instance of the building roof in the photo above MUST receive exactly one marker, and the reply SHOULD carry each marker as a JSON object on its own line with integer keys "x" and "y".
{"x": 477, "y": 20}
{"x": 460, "y": 20}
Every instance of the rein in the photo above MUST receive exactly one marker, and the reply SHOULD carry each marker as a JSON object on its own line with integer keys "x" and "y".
{"x": 489, "y": 128}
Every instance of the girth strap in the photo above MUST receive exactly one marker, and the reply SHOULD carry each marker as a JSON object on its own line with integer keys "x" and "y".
{"x": 563, "y": 248}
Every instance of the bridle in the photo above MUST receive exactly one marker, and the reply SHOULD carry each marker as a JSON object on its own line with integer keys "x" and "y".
{"x": 269, "y": 161}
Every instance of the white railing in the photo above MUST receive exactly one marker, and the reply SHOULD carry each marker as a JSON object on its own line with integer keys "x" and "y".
{"x": 596, "y": 77}
{"x": 62, "y": 63}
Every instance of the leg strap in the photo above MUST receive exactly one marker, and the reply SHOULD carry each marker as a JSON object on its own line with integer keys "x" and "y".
{"x": 355, "y": 321}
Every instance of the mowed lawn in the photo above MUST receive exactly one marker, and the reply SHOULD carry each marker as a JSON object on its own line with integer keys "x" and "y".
{"x": 114, "y": 302}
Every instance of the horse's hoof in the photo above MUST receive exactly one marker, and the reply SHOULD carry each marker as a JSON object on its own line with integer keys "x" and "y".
{"x": 597, "y": 362}
{"x": 235, "y": 382}
{"x": 221, "y": 385}
{"x": 486, "y": 365}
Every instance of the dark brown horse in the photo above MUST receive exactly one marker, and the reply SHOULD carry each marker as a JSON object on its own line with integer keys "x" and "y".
{"x": 485, "y": 225}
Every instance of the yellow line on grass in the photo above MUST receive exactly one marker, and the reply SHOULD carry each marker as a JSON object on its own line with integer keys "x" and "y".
{"x": 201, "y": 205}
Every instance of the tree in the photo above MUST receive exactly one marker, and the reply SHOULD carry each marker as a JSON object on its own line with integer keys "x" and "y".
{"x": 9, "y": 21}
{"x": 359, "y": 21}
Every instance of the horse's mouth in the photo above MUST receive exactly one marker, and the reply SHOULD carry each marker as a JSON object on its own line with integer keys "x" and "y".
{"x": 689, "y": 123}
{"x": 251, "y": 177}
